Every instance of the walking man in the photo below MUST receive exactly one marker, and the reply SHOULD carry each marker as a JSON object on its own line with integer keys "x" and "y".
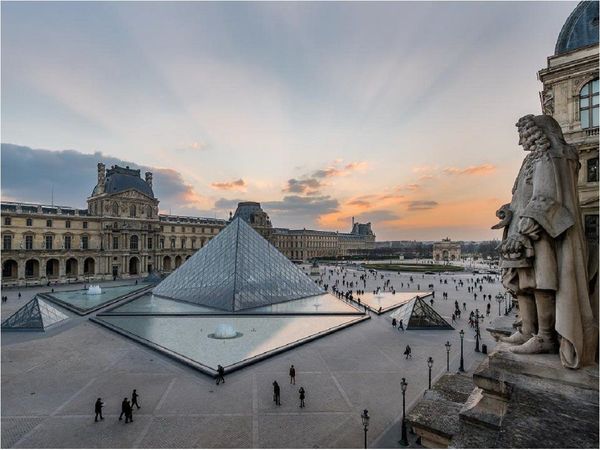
{"x": 292, "y": 375}
{"x": 302, "y": 393}
{"x": 407, "y": 351}
{"x": 220, "y": 374}
{"x": 276, "y": 393}
{"x": 124, "y": 404}
{"x": 98, "y": 409}
{"x": 128, "y": 411}
{"x": 401, "y": 326}
{"x": 134, "y": 399}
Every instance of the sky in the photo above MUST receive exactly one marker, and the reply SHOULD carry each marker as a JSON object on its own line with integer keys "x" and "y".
{"x": 401, "y": 114}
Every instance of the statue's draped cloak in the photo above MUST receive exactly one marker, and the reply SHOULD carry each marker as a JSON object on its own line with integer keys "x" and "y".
{"x": 554, "y": 206}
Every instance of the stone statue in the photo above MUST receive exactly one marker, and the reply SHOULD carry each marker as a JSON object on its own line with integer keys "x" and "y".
{"x": 543, "y": 251}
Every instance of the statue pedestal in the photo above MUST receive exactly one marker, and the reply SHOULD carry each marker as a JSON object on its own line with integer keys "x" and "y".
{"x": 529, "y": 401}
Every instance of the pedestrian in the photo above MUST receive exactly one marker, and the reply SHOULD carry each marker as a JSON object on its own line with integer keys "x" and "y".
{"x": 292, "y": 374}
{"x": 98, "y": 409}
{"x": 465, "y": 306}
{"x": 302, "y": 393}
{"x": 134, "y": 399}
{"x": 394, "y": 322}
{"x": 124, "y": 408}
{"x": 431, "y": 301}
{"x": 128, "y": 412}
{"x": 453, "y": 318}
{"x": 19, "y": 295}
{"x": 407, "y": 352}
{"x": 220, "y": 374}
{"x": 276, "y": 393}
{"x": 401, "y": 326}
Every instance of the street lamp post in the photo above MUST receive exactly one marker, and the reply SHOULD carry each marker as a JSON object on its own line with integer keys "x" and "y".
{"x": 462, "y": 361}
{"x": 365, "y": 421}
{"x": 448, "y": 345}
{"x": 499, "y": 299}
{"x": 430, "y": 365}
{"x": 404, "y": 439}
{"x": 477, "y": 335}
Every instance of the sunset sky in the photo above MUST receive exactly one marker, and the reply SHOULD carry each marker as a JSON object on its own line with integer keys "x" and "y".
{"x": 401, "y": 114}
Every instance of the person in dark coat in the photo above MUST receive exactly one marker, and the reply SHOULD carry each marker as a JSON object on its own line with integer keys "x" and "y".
{"x": 124, "y": 404}
{"x": 292, "y": 375}
{"x": 276, "y": 393}
{"x": 394, "y": 322}
{"x": 134, "y": 399}
{"x": 302, "y": 393}
{"x": 128, "y": 412}
{"x": 408, "y": 351}
{"x": 401, "y": 325}
{"x": 220, "y": 374}
{"x": 98, "y": 409}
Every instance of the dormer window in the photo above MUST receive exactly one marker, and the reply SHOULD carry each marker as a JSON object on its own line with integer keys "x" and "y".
{"x": 132, "y": 211}
{"x": 588, "y": 104}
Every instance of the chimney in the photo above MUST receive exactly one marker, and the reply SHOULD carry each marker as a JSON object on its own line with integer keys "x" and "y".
{"x": 101, "y": 177}
{"x": 352, "y": 221}
{"x": 149, "y": 178}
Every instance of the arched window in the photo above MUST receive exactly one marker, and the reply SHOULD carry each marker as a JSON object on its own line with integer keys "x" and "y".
{"x": 115, "y": 209}
{"x": 133, "y": 242}
{"x": 588, "y": 104}
{"x": 149, "y": 211}
{"x": 132, "y": 211}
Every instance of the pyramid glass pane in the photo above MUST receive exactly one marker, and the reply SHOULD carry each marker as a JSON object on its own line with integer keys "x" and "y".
{"x": 424, "y": 316}
{"x": 36, "y": 314}
{"x": 237, "y": 270}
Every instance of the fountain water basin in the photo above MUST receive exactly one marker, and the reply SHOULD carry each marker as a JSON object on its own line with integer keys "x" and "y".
{"x": 224, "y": 331}
{"x": 94, "y": 289}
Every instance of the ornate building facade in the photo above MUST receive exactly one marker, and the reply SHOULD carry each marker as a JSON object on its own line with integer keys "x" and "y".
{"x": 571, "y": 94}
{"x": 446, "y": 250}
{"x": 121, "y": 234}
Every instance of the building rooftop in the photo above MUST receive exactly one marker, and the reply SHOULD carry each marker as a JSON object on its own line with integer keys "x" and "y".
{"x": 580, "y": 30}
{"x": 120, "y": 179}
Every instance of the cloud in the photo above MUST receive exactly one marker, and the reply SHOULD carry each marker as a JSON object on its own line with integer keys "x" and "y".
{"x": 378, "y": 215}
{"x": 295, "y": 204}
{"x": 417, "y": 205}
{"x": 304, "y": 186}
{"x": 30, "y": 175}
{"x": 235, "y": 185}
{"x": 481, "y": 169}
{"x": 311, "y": 184}
{"x": 195, "y": 146}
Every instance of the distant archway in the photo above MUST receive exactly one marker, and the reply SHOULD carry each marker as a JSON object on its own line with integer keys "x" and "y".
{"x": 167, "y": 263}
{"x": 10, "y": 269}
{"x": 134, "y": 266}
{"x": 89, "y": 266}
{"x": 177, "y": 261}
{"x": 32, "y": 268}
{"x": 52, "y": 268}
{"x": 71, "y": 267}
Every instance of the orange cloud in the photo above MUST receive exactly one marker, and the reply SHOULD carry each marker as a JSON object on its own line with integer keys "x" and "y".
{"x": 235, "y": 185}
{"x": 482, "y": 169}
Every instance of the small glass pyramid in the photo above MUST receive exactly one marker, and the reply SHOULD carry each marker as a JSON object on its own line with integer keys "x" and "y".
{"x": 237, "y": 270}
{"x": 417, "y": 314}
{"x": 35, "y": 315}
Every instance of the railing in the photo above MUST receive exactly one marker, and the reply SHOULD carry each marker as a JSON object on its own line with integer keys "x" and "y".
{"x": 592, "y": 131}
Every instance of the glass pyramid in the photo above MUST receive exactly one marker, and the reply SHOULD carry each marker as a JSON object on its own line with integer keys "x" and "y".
{"x": 237, "y": 270}
{"x": 35, "y": 315}
{"x": 417, "y": 314}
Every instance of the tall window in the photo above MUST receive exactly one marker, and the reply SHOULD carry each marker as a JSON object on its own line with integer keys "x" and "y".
{"x": 49, "y": 223}
{"x": 162, "y": 243}
{"x": 67, "y": 224}
{"x": 149, "y": 211}
{"x": 29, "y": 222}
{"x": 183, "y": 242}
{"x": 85, "y": 224}
{"x": 592, "y": 170}
{"x": 133, "y": 242}
{"x": 7, "y": 221}
{"x": 85, "y": 242}
{"x": 588, "y": 104}
{"x": 132, "y": 211}
{"x": 7, "y": 242}
{"x": 115, "y": 209}
{"x": 115, "y": 242}
{"x": 591, "y": 227}
{"x": 149, "y": 243}
{"x": 67, "y": 242}
{"x": 29, "y": 242}
{"x": 48, "y": 241}
{"x": 172, "y": 243}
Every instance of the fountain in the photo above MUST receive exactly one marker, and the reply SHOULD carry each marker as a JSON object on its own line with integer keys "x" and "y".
{"x": 94, "y": 289}
{"x": 225, "y": 331}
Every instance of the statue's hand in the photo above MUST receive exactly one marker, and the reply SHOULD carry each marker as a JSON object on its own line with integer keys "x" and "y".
{"x": 529, "y": 227}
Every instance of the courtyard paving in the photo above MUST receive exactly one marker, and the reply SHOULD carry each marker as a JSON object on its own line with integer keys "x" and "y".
{"x": 51, "y": 380}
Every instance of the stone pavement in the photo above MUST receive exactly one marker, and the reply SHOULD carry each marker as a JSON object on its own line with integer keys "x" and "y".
{"x": 50, "y": 382}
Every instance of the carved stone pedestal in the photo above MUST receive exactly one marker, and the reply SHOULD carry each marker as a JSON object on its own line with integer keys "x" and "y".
{"x": 529, "y": 401}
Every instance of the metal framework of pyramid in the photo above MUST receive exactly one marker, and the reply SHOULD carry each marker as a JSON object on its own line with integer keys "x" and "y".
{"x": 36, "y": 315}
{"x": 237, "y": 270}
{"x": 417, "y": 315}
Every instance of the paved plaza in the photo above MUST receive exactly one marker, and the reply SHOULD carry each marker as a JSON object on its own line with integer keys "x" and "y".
{"x": 51, "y": 380}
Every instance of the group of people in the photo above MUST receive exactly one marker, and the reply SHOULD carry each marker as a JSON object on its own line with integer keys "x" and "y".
{"x": 277, "y": 389}
{"x": 126, "y": 407}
